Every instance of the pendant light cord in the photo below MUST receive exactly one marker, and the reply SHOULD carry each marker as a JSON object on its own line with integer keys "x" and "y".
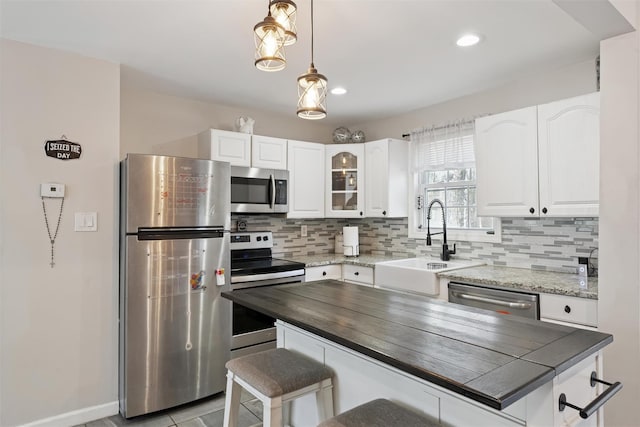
{"x": 312, "y": 66}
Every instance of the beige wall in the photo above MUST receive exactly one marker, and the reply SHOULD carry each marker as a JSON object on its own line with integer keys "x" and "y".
{"x": 619, "y": 293}
{"x": 154, "y": 123}
{"x": 566, "y": 82}
{"x": 58, "y": 332}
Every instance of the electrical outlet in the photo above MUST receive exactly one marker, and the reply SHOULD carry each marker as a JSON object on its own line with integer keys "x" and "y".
{"x": 303, "y": 230}
{"x": 583, "y": 270}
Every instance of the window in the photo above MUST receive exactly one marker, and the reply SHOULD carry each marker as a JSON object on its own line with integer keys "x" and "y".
{"x": 444, "y": 169}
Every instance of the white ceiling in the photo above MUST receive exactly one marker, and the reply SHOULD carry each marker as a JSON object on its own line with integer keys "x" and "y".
{"x": 393, "y": 56}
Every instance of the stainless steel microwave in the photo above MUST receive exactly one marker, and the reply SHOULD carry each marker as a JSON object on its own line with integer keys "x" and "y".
{"x": 257, "y": 190}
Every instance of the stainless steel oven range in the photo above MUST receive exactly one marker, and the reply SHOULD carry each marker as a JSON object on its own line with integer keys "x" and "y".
{"x": 252, "y": 265}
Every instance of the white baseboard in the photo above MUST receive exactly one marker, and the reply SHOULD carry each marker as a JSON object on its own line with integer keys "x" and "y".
{"x": 80, "y": 416}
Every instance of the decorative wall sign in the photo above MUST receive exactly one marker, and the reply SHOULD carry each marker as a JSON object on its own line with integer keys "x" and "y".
{"x": 62, "y": 149}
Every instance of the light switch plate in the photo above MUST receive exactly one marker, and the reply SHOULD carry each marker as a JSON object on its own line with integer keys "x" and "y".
{"x": 86, "y": 221}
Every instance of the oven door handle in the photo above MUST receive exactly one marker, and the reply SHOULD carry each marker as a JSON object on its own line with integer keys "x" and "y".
{"x": 266, "y": 276}
{"x": 273, "y": 191}
{"x": 520, "y": 305}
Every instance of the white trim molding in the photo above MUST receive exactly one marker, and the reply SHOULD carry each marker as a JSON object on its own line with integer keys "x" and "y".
{"x": 80, "y": 416}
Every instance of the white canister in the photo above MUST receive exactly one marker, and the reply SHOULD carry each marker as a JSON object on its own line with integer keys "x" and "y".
{"x": 351, "y": 244}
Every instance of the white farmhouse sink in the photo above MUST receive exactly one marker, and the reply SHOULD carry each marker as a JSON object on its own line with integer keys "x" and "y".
{"x": 417, "y": 275}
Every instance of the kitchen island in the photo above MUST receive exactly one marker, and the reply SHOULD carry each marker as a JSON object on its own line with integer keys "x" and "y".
{"x": 459, "y": 364}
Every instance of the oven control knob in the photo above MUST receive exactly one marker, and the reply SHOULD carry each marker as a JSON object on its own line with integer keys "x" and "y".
{"x": 258, "y": 238}
{"x": 265, "y": 238}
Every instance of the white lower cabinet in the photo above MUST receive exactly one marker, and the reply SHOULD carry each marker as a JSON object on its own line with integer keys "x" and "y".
{"x": 574, "y": 384}
{"x": 573, "y": 311}
{"x": 357, "y": 274}
{"x": 323, "y": 272}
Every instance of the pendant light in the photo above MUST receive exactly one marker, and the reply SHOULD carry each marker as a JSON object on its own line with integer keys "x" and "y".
{"x": 312, "y": 89}
{"x": 284, "y": 12}
{"x": 269, "y": 39}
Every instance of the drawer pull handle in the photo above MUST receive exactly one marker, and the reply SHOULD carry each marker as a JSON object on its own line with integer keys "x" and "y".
{"x": 357, "y": 273}
{"x": 522, "y": 305}
{"x": 567, "y": 309}
{"x": 592, "y": 407}
{"x": 324, "y": 273}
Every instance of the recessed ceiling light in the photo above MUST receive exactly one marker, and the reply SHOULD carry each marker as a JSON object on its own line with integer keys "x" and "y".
{"x": 338, "y": 91}
{"x": 468, "y": 40}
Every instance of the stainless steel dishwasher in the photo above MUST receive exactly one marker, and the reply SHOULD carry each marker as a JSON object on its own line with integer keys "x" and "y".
{"x": 499, "y": 300}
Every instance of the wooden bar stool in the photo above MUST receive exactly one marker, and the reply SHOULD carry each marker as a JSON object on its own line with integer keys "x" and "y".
{"x": 277, "y": 377}
{"x": 379, "y": 413}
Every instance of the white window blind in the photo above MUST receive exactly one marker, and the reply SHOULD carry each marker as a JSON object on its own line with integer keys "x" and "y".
{"x": 444, "y": 147}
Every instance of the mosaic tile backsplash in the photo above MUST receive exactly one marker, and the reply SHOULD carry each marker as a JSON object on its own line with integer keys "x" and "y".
{"x": 552, "y": 244}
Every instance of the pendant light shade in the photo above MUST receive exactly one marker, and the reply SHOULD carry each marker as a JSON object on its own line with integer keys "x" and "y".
{"x": 269, "y": 39}
{"x": 284, "y": 12}
{"x": 312, "y": 89}
{"x": 312, "y": 95}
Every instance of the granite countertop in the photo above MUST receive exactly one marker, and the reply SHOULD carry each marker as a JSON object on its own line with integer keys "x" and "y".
{"x": 366, "y": 260}
{"x": 526, "y": 280}
{"x": 495, "y": 360}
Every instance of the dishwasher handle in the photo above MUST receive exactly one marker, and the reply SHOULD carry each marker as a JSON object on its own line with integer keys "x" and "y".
{"x": 510, "y": 304}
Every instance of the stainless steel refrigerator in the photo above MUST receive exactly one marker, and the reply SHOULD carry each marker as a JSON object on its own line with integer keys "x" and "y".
{"x": 175, "y": 329}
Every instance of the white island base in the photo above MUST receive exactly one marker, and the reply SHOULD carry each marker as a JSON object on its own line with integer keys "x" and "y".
{"x": 359, "y": 379}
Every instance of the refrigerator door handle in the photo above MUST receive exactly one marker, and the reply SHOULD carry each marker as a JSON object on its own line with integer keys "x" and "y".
{"x": 272, "y": 204}
{"x": 168, "y": 233}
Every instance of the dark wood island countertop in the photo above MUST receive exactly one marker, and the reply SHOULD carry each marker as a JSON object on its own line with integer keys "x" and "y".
{"x": 490, "y": 358}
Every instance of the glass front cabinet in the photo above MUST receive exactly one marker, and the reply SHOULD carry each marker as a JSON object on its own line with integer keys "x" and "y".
{"x": 344, "y": 181}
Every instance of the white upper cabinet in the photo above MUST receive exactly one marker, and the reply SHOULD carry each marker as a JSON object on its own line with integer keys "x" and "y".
{"x": 386, "y": 178}
{"x": 540, "y": 161}
{"x": 268, "y": 152}
{"x": 569, "y": 151}
{"x": 226, "y": 146}
{"x": 306, "y": 179}
{"x": 344, "y": 181}
{"x": 243, "y": 149}
{"x": 506, "y": 150}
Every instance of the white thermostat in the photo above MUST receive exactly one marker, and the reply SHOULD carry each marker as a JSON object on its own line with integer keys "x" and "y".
{"x": 50, "y": 189}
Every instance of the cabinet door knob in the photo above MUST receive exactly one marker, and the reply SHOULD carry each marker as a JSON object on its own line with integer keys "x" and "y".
{"x": 544, "y": 210}
{"x": 567, "y": 309}
{"x": 384, "y": 212}
{"x": 324, "y": 273}
{"x": 357, "y": 273}
{"x": 531, "y": 210}
{"x": 360, "y": 213}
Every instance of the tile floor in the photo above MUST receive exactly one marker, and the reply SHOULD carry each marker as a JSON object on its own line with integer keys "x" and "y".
{"x": 208, "y": 412}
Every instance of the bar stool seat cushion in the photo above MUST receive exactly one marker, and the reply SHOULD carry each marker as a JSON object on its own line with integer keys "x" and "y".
{"x": 278, "y": 371}
{"x": 379, "y": 413}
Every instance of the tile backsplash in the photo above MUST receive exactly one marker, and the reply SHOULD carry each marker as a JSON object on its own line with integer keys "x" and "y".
{"x": 552, "y": 244}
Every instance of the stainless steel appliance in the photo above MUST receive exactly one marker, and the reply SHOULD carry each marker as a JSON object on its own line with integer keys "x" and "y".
{"x": 175, "y": 327}
{"x": 252, "y": 265}
{"x": 499, "y": 300}
{"x": 255, "y": 190}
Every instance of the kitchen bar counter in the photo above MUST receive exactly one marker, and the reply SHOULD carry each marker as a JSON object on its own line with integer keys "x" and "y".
{"x": 491, "y": 359}
{"x": 526, "y": 280}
